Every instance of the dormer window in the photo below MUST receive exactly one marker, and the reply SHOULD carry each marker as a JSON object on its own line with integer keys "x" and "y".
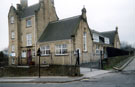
{"x": 28, "y": 23}
{"x": 107, "y": 41}
{"x": 95, "y": 38}
{"x": 12, "y": 20}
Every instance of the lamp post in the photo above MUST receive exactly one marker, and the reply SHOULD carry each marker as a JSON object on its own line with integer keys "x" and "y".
{"x": 39, "y": 54}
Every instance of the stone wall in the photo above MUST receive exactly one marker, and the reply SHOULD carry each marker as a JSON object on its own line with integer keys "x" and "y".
{"x": 52, "y": 70}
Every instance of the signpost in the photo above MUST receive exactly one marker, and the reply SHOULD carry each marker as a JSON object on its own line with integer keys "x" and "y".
{"x": 39, "y": 54}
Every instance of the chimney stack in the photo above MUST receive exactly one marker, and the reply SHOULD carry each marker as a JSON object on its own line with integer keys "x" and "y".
{"x": 84, "y": 13}
{"x": 24, "y": 3}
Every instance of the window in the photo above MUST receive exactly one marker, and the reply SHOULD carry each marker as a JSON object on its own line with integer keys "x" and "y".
{"x": 23, "y": 54}
{"x": 61, "y": 49}
{"x": 33, "y": 53}
{"x": 107, "y": 41}
{"x": 45, "y": 50}
{"x": 12, "y": 54}
{"x": 85, "y": 41}
{"x": 12, "y": 35}
{"x": 97, "y": 49}
{"x": 117, "y": 45}
{"x": 96, "y": 38}
{"x": 29, "y": 39}
{"x": 28, "y": 23}
{"x": 13, "y": 48}
{"x": 12, "y": 20}
{"x": 13, "y": 60}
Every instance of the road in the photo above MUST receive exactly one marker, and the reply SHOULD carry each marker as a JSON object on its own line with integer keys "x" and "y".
{"x": 113, "y": 79}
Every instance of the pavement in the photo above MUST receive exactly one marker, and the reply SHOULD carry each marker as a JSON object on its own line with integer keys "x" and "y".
{"x": 87, "y": 73}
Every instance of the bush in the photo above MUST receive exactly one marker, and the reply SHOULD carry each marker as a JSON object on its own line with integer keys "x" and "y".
{"x": 3, "y": 59}
{"x": 113, "y": 61}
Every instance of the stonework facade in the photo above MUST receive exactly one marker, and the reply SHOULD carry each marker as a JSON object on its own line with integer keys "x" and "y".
{"x": 38, "y": 26}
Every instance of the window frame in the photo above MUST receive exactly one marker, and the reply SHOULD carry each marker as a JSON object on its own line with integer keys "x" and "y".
{"x": 45, "y": 50}
{"x": 107, "y": 40}
{"x": 28, "y": 22}
{"x": 13, "y": 60}
{"x": 95, "y": 37}
{"x": 85, "y": 41}
{"x": 59, "y": 49}
{"x": 13, "y": 48}
{"x": 12, "y": 35}
{"x": 12, "y": 19}
{"x": 29, "y": 39}
{"x": 97, "y": 49}
{"x": 24, "y": 54}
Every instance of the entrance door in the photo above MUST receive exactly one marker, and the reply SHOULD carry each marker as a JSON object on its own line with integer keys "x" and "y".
{"x": 29, "y": 56}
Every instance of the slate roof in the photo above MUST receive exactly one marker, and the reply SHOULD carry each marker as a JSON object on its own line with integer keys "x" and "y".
{"x": 60, "y": 30}
{"x": 29, "y": 11}
{"x": 110, "y": 35}
{"x": 100, "y": 36}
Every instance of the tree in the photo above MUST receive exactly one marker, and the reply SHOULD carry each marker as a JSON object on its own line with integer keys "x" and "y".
{"x": 126, "y": 46}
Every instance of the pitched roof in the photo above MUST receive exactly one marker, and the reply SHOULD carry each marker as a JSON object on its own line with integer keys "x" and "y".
{"x": 101, "y": 41}
{"x": 29, "y": 11}
{"x": 60, "y": 30}
{"x": 110, "y": 35}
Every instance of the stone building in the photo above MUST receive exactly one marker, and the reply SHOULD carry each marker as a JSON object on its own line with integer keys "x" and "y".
{"x": 26, "y": 24}
{"x": 102, "y": 40}
{"x": 38, "y": 26}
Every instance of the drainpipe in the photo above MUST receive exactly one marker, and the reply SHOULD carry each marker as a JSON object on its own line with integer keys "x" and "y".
{"x": 35, "y": 38}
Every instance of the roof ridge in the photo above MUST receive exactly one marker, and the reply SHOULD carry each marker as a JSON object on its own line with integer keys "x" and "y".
{"x": 65, "y": 19}
{"x": 108, "y": 31}
{"x": 33, "y": 5}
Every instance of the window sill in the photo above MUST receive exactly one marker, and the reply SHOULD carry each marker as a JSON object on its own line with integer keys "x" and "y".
{"x": 28, "y": 26}
{"x": 61, "y": 54}
{"x": 23, "y": 57}
{"x": 12, "y": 38}
{"x": 85, "y": 51}
{"x": 45, "y": 55}
{"x": 29, "y": 46}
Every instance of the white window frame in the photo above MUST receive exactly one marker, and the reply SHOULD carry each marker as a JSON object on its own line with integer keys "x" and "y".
{"x": 13, "y": 54}
{"x": 13, "y": 48}
{"x": 13, "y": 35}
{"x": 29, "y": 39}
{"x": 12, "y": 20}
{"x": 59, "y": 49}
{"x": 13, "y": 60}
{"x": 23, "y": 54}
{"x": 97, "y": 49}
{"x": 33, "y": 53}
{"x": 28, "y": 23}
{"x": 95, "y": 38}
{"x": 45, "y": 50}
{"x": 85, "y": 41}
{"x": 107, "y": 41}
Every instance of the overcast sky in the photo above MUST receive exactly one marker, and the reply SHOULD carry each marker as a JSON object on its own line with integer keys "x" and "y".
{"x": 103, "y": 15}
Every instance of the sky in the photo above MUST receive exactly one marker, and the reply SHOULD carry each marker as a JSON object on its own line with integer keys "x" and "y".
{"x": 102, "y": 15}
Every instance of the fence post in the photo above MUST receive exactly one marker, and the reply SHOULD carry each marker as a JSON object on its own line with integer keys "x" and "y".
{"x": 90, "y": 63}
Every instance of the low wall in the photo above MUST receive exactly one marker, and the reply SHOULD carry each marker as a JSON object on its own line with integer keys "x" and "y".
{"x": 52, "y": 70}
